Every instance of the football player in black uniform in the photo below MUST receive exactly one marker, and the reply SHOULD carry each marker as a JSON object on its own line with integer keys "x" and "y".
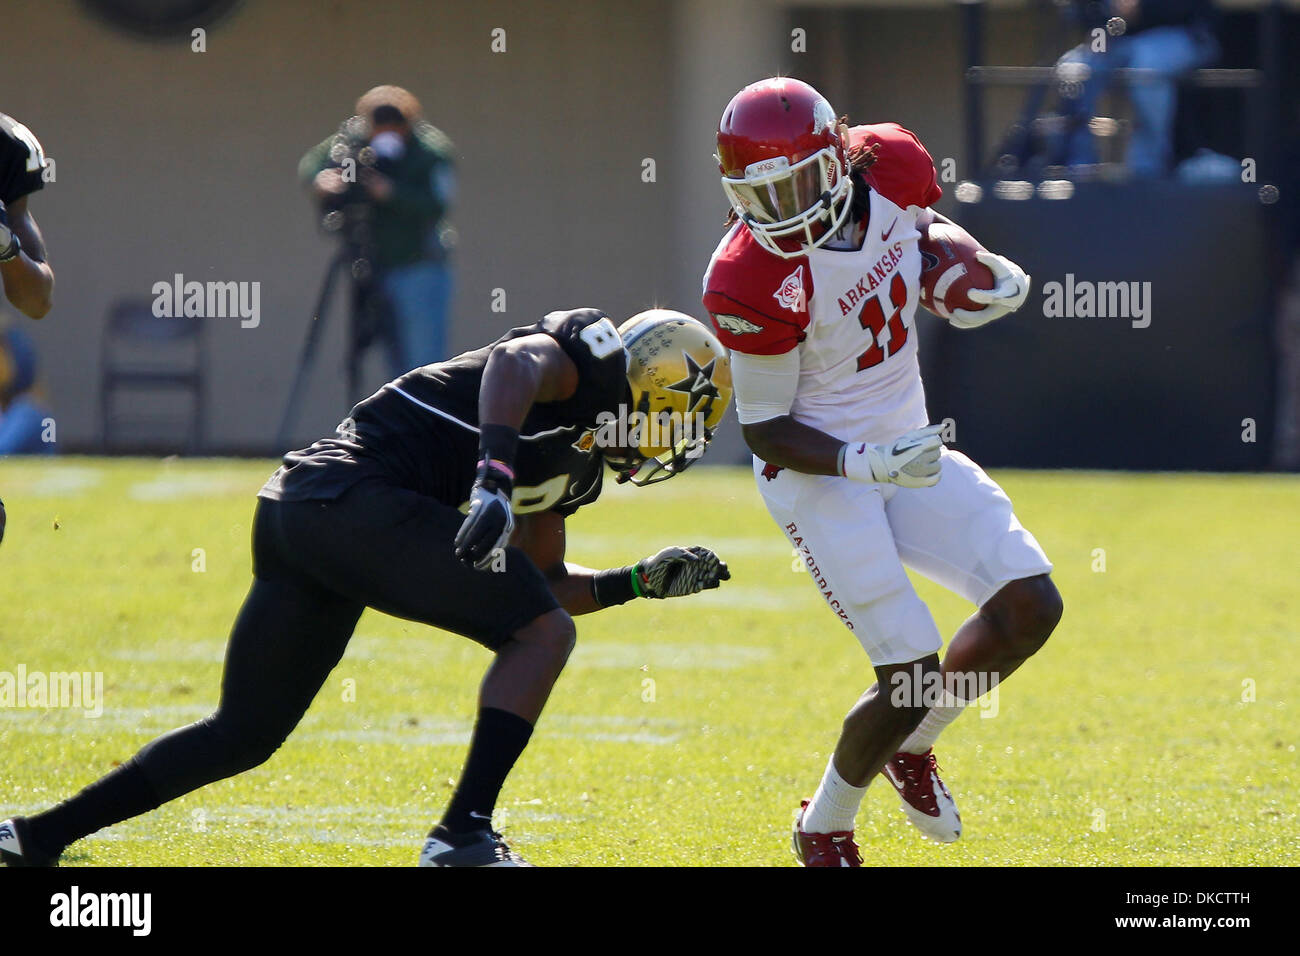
{"x": 442, "y": 499}
{"x": 28, "y": 280}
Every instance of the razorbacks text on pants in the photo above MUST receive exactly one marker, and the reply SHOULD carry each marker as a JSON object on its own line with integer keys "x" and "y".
{"x": 822, "y": 585}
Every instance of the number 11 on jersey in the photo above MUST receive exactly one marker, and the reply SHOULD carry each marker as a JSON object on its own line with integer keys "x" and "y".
{"x": 874, "y": 320}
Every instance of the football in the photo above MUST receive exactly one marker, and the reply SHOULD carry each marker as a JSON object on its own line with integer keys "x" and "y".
{"x": 949, "y": 269}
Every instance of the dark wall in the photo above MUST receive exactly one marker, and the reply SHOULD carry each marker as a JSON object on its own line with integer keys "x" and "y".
{"x": 1040, "y": 391}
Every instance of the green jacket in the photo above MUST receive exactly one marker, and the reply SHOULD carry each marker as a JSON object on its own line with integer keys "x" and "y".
{"x": 408, "y": 227}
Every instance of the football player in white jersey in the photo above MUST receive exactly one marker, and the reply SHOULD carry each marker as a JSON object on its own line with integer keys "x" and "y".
{"x": 814, "y": 289}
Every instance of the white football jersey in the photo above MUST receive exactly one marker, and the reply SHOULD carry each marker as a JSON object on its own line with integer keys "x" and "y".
{"x": 859, "y": 376}
{"x": 850, "y": 313}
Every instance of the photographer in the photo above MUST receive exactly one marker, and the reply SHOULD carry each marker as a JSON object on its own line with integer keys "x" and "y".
{"x": 389, "y": 174}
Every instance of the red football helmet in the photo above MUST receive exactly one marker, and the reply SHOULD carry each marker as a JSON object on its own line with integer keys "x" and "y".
{"x": 784, "y": 163}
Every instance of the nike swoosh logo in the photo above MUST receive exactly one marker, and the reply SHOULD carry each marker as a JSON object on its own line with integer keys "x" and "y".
{"x": 900, "y": 449}
{"x": 884, "y": 236}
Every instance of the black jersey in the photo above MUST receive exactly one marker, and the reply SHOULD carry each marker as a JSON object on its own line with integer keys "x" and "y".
{"x": 421, "y": 430}
{"x": 22, "y": 160}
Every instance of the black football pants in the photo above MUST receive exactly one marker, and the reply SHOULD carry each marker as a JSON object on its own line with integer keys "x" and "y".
{"x": 317, "y": 565}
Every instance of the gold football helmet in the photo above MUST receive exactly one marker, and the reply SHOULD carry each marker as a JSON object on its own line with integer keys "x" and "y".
{"x": 680, "y": 378}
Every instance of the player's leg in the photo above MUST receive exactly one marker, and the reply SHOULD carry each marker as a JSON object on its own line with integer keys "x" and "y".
{"x": 963, "y": 534}
{"x": 288, "y": 636}
{"x": 840, "y": 531}
{"x": 989, "y": 646}
{"x": 1006, "y": 630}
{"x": 511, "y": 698}
{"x": 395, "y": 553}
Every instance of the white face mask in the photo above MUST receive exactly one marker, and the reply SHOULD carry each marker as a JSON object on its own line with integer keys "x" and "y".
{"x": 388, "y": 145}
{"x": 778, "y": 199}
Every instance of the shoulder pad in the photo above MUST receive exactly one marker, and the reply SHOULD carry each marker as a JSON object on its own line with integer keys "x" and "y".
{"x": 757, "y": 302}
{"x": 903, "y": 171}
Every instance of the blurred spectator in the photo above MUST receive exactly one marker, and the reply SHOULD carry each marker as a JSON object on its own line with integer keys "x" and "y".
{"x": 409, "y": 187}
{"x": 23, "y": 413}
{"x": 1168, "y": 37}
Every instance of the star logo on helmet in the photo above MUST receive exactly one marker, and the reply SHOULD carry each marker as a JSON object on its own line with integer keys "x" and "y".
{"x": 698, "y": 382}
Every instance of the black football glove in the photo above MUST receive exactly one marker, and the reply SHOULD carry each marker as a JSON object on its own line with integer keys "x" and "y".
{"x": 9, "y": 244}
{"x": 676, "y": 572}
{"x": 488, "y": 525}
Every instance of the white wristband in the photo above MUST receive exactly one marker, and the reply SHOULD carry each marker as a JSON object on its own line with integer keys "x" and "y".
{"x": 862, "y": 461}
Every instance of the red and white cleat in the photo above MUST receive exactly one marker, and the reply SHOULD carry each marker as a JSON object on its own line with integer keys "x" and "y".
{"x": 823, "y": 849}
{"x": 926, "y": 801}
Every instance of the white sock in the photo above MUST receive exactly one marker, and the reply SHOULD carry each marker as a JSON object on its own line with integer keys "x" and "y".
{"x": 835, "y": 804}
{"x": 933, "y": 723}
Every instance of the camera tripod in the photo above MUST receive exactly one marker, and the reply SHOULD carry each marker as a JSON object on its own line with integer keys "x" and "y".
{"x": 365, "y": 300}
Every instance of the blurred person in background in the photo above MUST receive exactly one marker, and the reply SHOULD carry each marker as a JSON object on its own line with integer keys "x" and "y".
{"x": 24, "y": 413}
{"x": 1170, "y": 38}
{"x": 397, "y": 168}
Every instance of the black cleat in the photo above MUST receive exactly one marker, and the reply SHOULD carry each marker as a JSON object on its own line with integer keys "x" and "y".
{"x": 478, "y": 848}
{"x": 18, "y": 849}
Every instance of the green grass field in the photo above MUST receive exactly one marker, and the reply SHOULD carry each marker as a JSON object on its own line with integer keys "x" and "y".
{"x": 1158, "y": 727}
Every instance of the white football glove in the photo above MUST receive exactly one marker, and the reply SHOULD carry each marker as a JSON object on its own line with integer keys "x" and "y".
{"x": 912, "y": 460}
{"x": 1010, "y": 289}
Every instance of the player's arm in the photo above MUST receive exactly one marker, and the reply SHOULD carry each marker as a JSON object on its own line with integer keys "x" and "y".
{"x": 28, "y": 278}
{"x": 765, "y": 390}
{"x": 1010, "y": 289}
{"x": 519, "y": 372}
{"x": 541, "y": 536}
{"x": 673, "y": 572}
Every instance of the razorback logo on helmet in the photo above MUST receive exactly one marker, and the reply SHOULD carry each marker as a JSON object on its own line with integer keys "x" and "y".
{"x": 737, "y": 325}
{"x": 790, "y": 294}
{"x": 823, "y": 115}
